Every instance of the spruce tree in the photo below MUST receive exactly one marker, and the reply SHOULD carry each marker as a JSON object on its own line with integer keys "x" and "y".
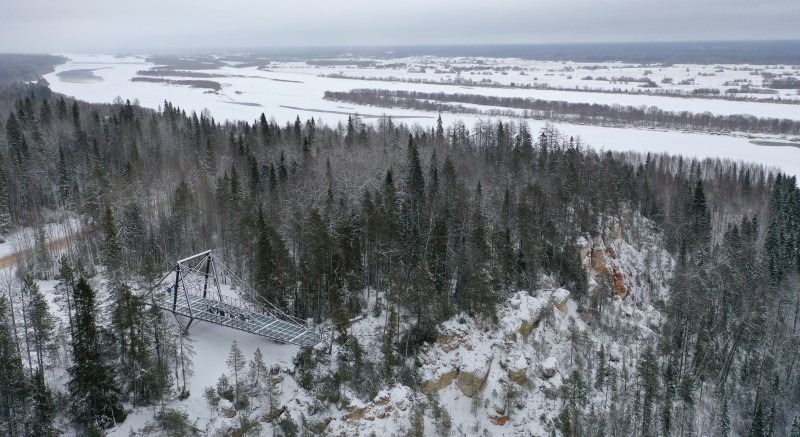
{"x": 757, "y": 425}
{"x": 110, "y": 250}
{"x": 724, "y": 422}
{"x": 388, "y": 347}
{"x": 132, "y": 333}
{"x": 64, "y": 288}
{"x": 576, "y": 397}
{"x": 795, "y": 431}
{"x": 271, "y": 266}
{"x": 439, "y": 131}
{"x": 648, "y": 379}
{"x": 273, "y": 392}
{"x": 43, "y": 261}
{"x": 669, "y": 394}
{"x": 41, "y": 321}
{"x": 64, "y": 179}
{"x": 13, "y": 389}
{"x": 158, "y": 380}
{"x": 93, "y": 391}
{"x": 5, "y": 211}
{"x": 17, "y": 144}
{"x": 183, "y": 345}
{"x": 44, "y": 409}
{"x": 600, "y": 376}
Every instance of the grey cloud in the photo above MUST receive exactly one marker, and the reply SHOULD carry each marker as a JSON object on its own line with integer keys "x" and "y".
{"x": 100, "y": 25}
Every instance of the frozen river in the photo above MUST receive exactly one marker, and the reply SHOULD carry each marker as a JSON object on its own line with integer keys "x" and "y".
{"x": 288, "y": 90}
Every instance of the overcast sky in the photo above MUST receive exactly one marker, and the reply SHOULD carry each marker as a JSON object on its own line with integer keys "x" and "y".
{"x": 148, "y": 25}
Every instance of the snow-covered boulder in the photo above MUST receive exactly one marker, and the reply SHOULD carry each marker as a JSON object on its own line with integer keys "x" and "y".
{"x": 388, "y": 402}
{"x": 549, "y": 367}
{"x": 559, "y": 299}
{"x": 551, "y": 388}
{"x": 439, "y": 381}
{"x": 473, "y": 373}
{"x": 520, "y": 315}
{"x": 517, "y": 366}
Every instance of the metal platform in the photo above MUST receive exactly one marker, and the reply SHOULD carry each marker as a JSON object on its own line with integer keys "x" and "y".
{"x": 235, "y": 316}
{"x": 189, "y": 296}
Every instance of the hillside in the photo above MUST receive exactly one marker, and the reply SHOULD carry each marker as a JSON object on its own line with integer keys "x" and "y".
{"x": 499, "y": 283}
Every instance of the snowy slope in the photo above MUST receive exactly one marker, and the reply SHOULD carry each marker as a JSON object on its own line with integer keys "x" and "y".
{"x": 505, "y": 379}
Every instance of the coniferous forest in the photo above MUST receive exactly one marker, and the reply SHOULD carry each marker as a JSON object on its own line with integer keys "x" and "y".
{"x": 444, "y": 222}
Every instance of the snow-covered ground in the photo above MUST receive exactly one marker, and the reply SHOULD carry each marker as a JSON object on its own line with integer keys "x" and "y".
{"x": 287, "y": 90}
{"x": 212, "y": 343}
{"x": 56, "y": 234}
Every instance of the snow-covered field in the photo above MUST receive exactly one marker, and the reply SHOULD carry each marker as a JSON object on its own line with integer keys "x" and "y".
{"x": 286, "y": 90}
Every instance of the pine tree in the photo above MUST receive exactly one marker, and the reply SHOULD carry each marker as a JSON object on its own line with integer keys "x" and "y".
{"x": 236, "y": 363}
{"x": 93, "y": 391}
{"x": 257, "y": 369}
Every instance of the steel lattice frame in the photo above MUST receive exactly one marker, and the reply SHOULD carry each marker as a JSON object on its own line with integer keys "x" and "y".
{"x": 196, "y": 280}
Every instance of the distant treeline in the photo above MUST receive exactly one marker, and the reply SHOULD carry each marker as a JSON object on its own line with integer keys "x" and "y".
{"x": 590, "y": 113}
{"x": 208, "y": 84}
{"x": 162, "y": 72}
{"x": 683, "y": 52}
{"x": 646, "y": 87}
{"x": 25, "y": 68}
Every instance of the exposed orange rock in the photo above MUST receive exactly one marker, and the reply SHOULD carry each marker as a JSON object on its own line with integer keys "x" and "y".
{"x": 598, "y": 263}
{"x": 356, "y": 414}
{"x": 498, "y": 420}
{"x": 619, "y": 284}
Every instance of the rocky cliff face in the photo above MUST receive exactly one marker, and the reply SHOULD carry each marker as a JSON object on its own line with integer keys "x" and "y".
{"x": 615, "y": 266}
{"x": 508, "y": 377}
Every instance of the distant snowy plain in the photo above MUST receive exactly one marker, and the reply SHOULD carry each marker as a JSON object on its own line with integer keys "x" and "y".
{"x": 286, "y": 90}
